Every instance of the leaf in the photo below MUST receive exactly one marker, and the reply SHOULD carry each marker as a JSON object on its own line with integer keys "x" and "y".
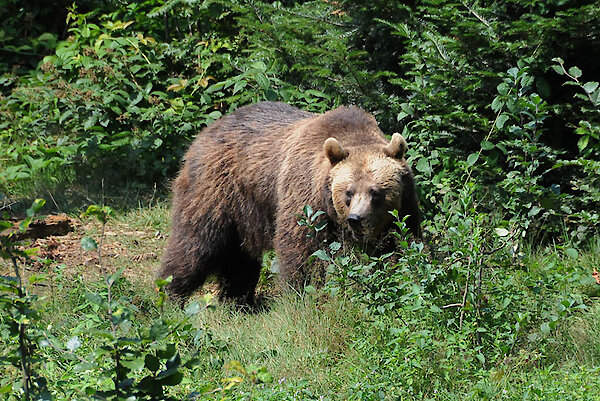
{"x": 575, "y": 72}
{"x": 590, "y": 87}
{"x": 262, "y": 81}
{"x": 501, "y": 232}
{"x": 174, "y": 362}
{"x": 545, "y": 328}
{"x": 583, "y": 142}
{"x": 192, "y": 309}
{"x": 503, "y": 88}
{"x": 497, "y": 104}
{"x": 151, "y": 362}
{"x": 85, "y": 366}
{"x": 73, "y": 344}
{"x": 264, "y": 377}
{"x": 423, "y": 166}
{"x": 159, "y": 330}
{"x": 134, "y": 365}
{"x": 102, "y": 213}
{"x": 239, "y": 86}
{"x": 321, "y": 254}
{"x": 487, "y": 145}
{"x": 168, "y": 351}
{"x": 309, "y": 289}
{"x": 5, "y": 225}
{"x": 435, "y": 309}
{"x": 89, "y": 244}
{"x": 35, "y": 207}
{"x": 472, "y": 159}
{"x": 502, "y": 119}
{"x": 259, "y": 66}
{"x": 171, "y": 379}
{"x": 162, "y": 282}
{"x": 401, "y": 115}
{"x": 44, "y": 395}
{"x": 94, "y": 298}
{"x": 535, "y": 210}
{"x": 137, "y": 99}
{"x": 90, "y": 122}
{"x": 595, "y": 97}
{"x": 572, "y": 253}
{"x": 65, "y": 115}
{"x": 115, "y": 276}
{"x": 320, "y": 225}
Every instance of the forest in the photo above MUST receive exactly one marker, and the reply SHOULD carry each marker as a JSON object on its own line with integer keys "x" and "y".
{"x": 499, "y": 102}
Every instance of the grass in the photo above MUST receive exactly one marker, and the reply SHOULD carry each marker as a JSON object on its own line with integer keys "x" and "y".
{"x": 320, "y": 347}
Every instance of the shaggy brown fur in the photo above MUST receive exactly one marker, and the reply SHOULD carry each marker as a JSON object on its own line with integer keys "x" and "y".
{"x": 247, "y": 177}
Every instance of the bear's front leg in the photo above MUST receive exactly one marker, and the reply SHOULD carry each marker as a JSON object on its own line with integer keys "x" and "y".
{"x": 294, "y": 245}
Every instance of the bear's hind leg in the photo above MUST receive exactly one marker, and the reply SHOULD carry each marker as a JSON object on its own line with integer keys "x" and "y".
{"x": 187, "y": 267}
{"x": 238, "y": 277}
{"x": 193, "y": 254}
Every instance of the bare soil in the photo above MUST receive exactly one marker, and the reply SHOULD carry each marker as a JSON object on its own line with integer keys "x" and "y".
{"x": 138, "y": 250}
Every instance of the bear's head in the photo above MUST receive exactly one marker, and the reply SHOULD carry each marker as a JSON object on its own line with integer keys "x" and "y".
{"x": 366, "y": 183}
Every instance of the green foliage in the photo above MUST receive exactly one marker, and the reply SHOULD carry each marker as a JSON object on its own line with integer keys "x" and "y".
{"x": 314, "y": 220}
{"x": 587, "y": 182}
{"x": 28, "y": 33}
{"x": 19, "y": 321}
{"x": 114, "y": 96}
{"x": 514, "y": 148}
{"x": 440, "y": 319}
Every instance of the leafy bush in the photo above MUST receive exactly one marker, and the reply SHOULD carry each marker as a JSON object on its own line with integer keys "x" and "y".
{"x": 19, "y": 322}
{"x": 114, "y": 97}
{"x": 439, "y": 319}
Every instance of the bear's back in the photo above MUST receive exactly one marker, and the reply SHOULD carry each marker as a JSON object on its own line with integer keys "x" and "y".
{"x": 262, "y": 119}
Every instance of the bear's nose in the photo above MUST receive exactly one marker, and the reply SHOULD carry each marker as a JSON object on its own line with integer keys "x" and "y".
{"x": 354, "y": 220}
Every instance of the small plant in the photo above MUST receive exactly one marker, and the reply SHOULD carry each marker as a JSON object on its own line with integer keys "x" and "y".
{"x": 19, "y": 330}
{"x": 314, "y": 220}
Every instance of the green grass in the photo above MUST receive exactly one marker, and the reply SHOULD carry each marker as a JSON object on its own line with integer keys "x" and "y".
{"x": 316, "y": 346}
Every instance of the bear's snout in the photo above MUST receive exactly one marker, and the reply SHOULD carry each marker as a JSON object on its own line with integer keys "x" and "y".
{"x": 357, "y": 226}
{"x": 354, "y": 221}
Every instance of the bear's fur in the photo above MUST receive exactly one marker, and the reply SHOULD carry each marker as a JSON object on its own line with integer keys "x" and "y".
{"x": 247, "y": 177}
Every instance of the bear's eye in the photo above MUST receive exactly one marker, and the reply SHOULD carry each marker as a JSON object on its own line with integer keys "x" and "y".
{"x": 377, "y": 195}
{"x": 349, "y": 195}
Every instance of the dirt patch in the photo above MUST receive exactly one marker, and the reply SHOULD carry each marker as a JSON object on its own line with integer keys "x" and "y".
{"x": 42, "y": 228}
{"x": 138, "y": 251}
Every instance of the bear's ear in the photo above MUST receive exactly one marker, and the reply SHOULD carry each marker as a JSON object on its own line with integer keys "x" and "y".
{"x": 397, "y": 147}
{"x": 334, "y": 151}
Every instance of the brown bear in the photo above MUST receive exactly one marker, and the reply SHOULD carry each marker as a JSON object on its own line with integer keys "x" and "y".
{"x": 247, "y": 177}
